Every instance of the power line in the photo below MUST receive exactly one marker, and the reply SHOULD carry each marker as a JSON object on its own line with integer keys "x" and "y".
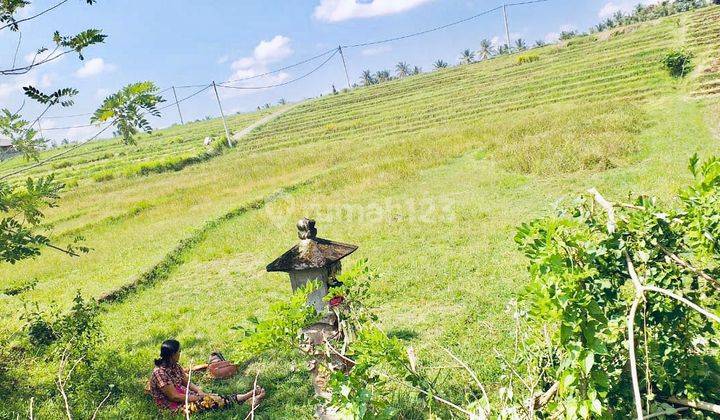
{"x": 57, "y": 155}
{"x": 283, "y": 83}
{"x": 437, "y": 28}
{"x": 280, "y": 69}
{"x": 332, "y": 50}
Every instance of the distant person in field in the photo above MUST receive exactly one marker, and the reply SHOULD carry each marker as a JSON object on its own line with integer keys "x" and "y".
{"x": 168, "y": 386}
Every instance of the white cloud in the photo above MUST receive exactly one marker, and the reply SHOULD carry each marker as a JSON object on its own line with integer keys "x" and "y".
{"x": 625, "y": 6}
{"x": 339, "y": 10}
{"x": 101, "y": 93}
{"x": 276, "y": 49}
{"x": 14, "y": 86}
{"x": 94, "y": 67}
{"x": 223, "y": 59}
{"x": 264, "y": 53}
{"x": 81, "y": 134}
{"x": 552, "y": 37}
{"x": 376, "y": 50}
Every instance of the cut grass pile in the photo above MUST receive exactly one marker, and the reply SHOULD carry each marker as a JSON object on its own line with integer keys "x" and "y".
{"x": 429, "y": 175}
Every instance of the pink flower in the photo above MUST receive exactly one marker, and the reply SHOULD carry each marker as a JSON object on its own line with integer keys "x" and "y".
{"x": 336, "y": 301}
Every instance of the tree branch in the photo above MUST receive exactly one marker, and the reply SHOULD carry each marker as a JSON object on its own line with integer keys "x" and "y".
{"x": 15, "y": 23}
{"x": 97, "y": 409}
{"x": 701, "y": 405}
{"x": 24, "y": 70}
{"x": 679, "y": 261}
{"x": 611, "y": 224}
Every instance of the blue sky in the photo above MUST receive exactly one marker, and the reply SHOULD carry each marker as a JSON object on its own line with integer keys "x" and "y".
{"x": 189, "y": 42}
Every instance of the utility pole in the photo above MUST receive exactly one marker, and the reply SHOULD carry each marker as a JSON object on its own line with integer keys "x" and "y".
{"x": 227, "y": 132}
{"x": 344, "y": 66}
{"x": 40, "y": 128}
{"x": 178, "y": 106}
{"x": 507, "y": 27}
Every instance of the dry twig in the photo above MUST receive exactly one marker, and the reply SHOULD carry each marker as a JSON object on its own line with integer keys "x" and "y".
{"x": 97, "y": 409}
{"x": 187, "y": 395}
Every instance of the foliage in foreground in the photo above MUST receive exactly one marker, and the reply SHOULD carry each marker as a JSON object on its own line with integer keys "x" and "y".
{"x": 573, "y": 361}
{"x": 581, "y": 292}
{"x": 128, "y": 107}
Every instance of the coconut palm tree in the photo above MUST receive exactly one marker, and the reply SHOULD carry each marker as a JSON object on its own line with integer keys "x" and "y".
{"x": 619, "y": 18}
{"x": 503, "y": 49}
{"x": 416, "y": 70}
{"x": 467, "y": 57}
{"x": 520, "y": 44}
{"x": 540, "y": 43}
{"x": 440, "y": 64}
{"x": 383, "y": 76}
{"x": 367, "y": 78}
{"x": 486, "y": 50}
{"x": 402, "y": 69}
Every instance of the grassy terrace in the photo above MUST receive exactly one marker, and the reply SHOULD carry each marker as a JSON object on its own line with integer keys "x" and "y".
{"x": 103, "y": 160}
{"x": 430, "y": 175}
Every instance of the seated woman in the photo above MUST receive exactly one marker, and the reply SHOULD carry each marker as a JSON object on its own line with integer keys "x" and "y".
{"x": 168, "y": 386}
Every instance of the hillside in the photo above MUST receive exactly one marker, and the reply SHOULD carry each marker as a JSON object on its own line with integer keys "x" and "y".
{"x": 429, "y": 175}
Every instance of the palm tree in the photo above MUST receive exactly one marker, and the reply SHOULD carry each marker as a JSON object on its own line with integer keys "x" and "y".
{"x": 486, "y": 50}
{"x": 402, "y": 69}
{"x": 503, "y": 49}
{"x": 600, "y": 27}
{"x": 367, "y": 78}
{"x": 467, "y": 57}
{"x": 520, "y": 44}
{"x": 440, "y": 64}
{"x": 619, "y": 18}
{"x": 383, "y": 76}
{"x": 540, "y": 43}
{"x": 416, "y": 70}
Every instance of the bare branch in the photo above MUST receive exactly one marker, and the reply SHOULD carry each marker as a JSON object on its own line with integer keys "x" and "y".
{"x": 701, "y": 405}
{"x": 541, "y": 400}
{"x": 97, "y": 409}
{"x": 611, "y": 224}
{"x": 679, "y": 261}
{"x": 16, "y": 22}
{"x": 639, "y": 295}
{"x": 187, "y": 394}
{"x": 17, "y": 48}
{"x": 668, "y": 412}
{"x": 633, "y": 364}
{"x": 469, "y": 371}
{"x": 25, "y": 69}
{"x": 681, "y": 299}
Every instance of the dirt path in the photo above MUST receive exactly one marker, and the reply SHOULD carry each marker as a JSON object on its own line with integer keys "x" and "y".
{"x": 262, "y": 121}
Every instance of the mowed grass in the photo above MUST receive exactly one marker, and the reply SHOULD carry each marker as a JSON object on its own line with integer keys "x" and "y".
{"x": 432, "y": 201}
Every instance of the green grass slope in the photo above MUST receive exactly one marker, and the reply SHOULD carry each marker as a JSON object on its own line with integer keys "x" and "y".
{"x": 429, "y": 175}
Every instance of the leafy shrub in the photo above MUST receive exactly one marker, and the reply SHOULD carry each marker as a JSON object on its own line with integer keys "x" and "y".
{"x": 678, "y": 62}
{"x": 528, "y": 58}
{"x": 77, "y": 330}
{"x": 581, "y": 290}
{"x": 103, "y": 176}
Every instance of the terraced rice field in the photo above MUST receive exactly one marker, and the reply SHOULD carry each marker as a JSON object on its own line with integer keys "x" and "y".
{"x": 703, "y": 34}
{"x": 106, "y": 159}
{"x": 429, "y": 175}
